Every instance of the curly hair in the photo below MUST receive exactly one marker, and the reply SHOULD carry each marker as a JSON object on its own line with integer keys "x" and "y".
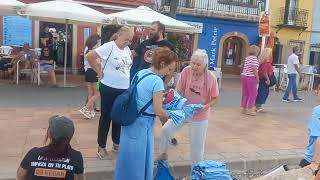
{"x": 164, "y": 55}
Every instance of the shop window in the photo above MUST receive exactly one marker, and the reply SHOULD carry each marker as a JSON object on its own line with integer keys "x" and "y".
{"x": 300, "y": 44}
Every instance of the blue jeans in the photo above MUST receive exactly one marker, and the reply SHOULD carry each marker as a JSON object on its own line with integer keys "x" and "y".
{"x": 263, "y": 93}
{"x": 291, "y": 86}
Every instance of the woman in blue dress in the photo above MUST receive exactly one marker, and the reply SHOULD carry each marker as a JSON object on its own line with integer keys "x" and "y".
{"x": 135, "y": 158}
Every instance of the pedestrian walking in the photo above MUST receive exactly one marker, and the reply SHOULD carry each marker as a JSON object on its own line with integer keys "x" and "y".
{"x": 91, "y": 79}
{"x": 57, "y": 159}
{"x": 265, "y": 71}
{"x": 114, "y": 74}
{"x": 293, "y": 70}
{"x": 250, "y": 80}
{"x": 199, "y": 86}
{"x": 135, "y": 159}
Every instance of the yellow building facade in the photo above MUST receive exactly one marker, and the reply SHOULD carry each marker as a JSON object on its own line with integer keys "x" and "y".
{"x": 291, "y": 22}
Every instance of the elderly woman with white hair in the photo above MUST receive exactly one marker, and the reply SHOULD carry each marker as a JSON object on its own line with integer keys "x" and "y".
{"x": 199, "y": 86}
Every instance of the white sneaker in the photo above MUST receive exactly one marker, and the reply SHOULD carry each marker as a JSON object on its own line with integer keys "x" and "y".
{"x": 92, "y": 114}
{"x": 84, "y": 111}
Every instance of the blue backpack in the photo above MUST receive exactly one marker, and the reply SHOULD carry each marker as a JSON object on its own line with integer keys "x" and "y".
{"x": 124, "y": 109}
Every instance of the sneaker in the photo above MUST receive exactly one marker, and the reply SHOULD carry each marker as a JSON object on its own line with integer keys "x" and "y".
{"x": 286, "y": 100}
{"x": 84, "y": 111}
{"x": 297, "y": 100}
{"x": 259, "y": 110}
{"x": 103, "y": 154}
{"x": 115, "y": 147}
{"x": 174, "y": 142}
{"x": 92, "y": 114}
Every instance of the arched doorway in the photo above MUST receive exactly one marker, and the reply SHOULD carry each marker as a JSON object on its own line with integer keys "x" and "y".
{"x": 234, "y": 48}
{"x": 232, "y": 55}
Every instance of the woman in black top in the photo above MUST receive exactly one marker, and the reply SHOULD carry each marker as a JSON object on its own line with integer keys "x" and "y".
{"x": 57, "y": 160}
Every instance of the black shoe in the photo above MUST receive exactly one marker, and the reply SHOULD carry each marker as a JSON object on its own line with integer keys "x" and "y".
{"x": 286, "y": 100}
{"x": 174, "y": 141}
{"x": 297, "y": 100}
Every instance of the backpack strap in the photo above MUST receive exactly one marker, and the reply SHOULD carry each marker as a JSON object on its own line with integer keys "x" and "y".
{"x": 142, "y": 111}
{"x": 144, "y": 76}
{"x": 144, "y": 108}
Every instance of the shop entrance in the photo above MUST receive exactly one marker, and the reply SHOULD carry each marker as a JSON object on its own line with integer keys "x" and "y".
{"x": 232, "y": 55}
{"x": 58, "y": 32}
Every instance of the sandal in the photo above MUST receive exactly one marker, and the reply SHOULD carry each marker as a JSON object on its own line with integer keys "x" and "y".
{"x": 84, "y": 111}
{"x": 103, "y": 154}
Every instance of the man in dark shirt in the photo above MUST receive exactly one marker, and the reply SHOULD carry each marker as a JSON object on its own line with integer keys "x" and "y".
{"x": 47, "y": 64}
{"x": 144, "y": 52}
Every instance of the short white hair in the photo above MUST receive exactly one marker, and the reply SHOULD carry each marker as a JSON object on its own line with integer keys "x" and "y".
{"x": 202, "y": 55}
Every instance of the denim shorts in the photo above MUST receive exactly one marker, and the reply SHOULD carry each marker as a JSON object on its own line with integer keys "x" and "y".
{"x": 46, "y": 67}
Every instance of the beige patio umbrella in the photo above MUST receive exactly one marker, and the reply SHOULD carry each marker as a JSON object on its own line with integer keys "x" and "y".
{"x": 144, "y": 16}
{"x": 10, "y": 7}
{"x": 67, "y": 12}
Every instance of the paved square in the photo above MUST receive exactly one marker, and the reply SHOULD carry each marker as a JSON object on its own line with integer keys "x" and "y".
{"x": 282, "y": 130}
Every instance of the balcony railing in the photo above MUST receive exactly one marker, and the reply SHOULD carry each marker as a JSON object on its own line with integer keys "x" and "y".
{"x": 293, "y": 17}
{"x": 248, "y": 7}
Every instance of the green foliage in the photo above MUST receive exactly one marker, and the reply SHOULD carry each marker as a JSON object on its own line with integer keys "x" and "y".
{"x": 182, "y": 44}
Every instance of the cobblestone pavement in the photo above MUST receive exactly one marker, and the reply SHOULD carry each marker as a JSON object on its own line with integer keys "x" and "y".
{"x": 24, "y": 111}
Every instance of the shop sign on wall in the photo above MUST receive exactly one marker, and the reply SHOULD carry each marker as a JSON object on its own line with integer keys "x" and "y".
{"x": 213, "y": 48}
{"x": 197, "y": 25}
{"x": 16, "y": 30}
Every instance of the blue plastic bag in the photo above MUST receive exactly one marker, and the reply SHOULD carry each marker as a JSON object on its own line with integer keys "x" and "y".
{"x": 191, "y": 108}
{"x": 179, "y": 116}
{"x": 173, "y": 100}
{"x": 163, "y": 172}
{"x": 210, "y": 170}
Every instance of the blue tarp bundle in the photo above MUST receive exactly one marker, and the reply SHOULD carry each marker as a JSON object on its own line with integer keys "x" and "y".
{"x": 210, "y": 170}
{"x": 173, "y": 100}
{"x": 163, "y": 172}
{"x": 174, "y": 103}
{"x": 179, "y": 116}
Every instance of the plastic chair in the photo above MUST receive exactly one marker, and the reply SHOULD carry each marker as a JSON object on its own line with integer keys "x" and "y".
{"x": 307, "y": 70}
{"x": 5, "y": 50}
{"x": 284, "y": 77}
{"x": 217, "y": 72}
{"x": 24, "y": 71}
{"x": 39, "y": 72}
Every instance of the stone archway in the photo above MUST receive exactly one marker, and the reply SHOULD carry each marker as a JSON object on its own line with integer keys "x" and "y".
{"x": 243, "y": 42}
